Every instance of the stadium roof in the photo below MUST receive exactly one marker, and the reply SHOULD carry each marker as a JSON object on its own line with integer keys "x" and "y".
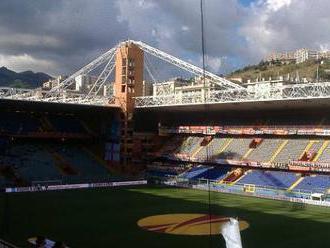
{"x": 253, "y": 106}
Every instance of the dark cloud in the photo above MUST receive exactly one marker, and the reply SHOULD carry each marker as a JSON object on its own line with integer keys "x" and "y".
{"x": 67, "y": 33}
{"x": 282, "y": 25}
{"x": 60, "y": 36}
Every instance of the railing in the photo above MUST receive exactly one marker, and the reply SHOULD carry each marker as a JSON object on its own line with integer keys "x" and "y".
{"x": 67, "y": 96}
{"x": 4, "y": 244}
{"x": 296, "y": 166}
{"x": 250, "y": 130}
{"x": 303, "y": 197}
{"x": 284, "y": 92}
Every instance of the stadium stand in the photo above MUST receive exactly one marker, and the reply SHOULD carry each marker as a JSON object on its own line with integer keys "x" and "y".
{"x": 325, "y": 156}
{"x": 236, "y": 149}
{"x": 189, "y": 145}
{"x": 170, "y": 146}
{"x": 215, "y": 173}
{"x": 81, "y": 160}
{"x": 160, "y": 173}
{"x": 194, "y": 172}
{"x": 314, "y": 183}
{"x": 32, "y": 162}
{"x": 25, "y": 157}
{"x": 265, "y": 151}
{"x": 66, "y": 124}
{"x": 292, "y": 150}
{"x": 50, "y": 161}
{"x": 311, "y": 151}
{"x": 18, "y": 123}
{"x": 269, "y": 178}
{"x": 212, "y": 150}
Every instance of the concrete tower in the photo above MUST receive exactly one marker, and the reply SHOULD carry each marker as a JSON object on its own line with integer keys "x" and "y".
{"x": 128, "y": 84}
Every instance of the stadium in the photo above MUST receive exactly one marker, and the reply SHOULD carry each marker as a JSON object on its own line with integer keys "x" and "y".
{"x": 144, "y": 170}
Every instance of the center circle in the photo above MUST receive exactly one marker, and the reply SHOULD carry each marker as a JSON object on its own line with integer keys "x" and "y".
{"x": 187, "y": 224}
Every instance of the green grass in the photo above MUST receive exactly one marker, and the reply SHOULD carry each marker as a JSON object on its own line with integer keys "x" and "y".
{"x": 107, "y": 218}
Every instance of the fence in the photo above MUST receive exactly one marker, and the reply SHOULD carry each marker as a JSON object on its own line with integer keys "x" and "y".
{"x": 240, "y": 189}
{"x": 4, "y": 244}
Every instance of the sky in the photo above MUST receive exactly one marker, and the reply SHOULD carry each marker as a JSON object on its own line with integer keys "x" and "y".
{"x": 60, "y": 36}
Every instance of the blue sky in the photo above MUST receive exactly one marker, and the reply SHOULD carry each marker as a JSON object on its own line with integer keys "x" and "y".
{"x": 246, "y": 2}
{"x": 59, "y": 37}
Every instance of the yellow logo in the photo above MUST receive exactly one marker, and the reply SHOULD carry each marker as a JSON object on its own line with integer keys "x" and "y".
{"x": 186, "y": 224}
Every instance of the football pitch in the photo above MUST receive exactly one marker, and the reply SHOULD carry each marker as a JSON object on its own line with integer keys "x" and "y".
{"x": 109, "y": 217}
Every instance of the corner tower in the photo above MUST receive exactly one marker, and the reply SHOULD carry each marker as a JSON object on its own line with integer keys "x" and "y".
{"x": 128, "y": 84}
{"x": 129, "y": 75}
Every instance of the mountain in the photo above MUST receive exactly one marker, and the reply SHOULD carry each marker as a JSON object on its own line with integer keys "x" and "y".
{"x": 26, "y": 79}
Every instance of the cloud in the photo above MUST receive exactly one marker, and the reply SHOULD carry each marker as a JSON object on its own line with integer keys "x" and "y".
{"x": 23, "y": 62}
{"x": 282, "y": 25}
{"x": 68, "y": 34}
{"x": 30, "y": 40}
{"x": 175, "y": 26}
{"x": 61, "y": 36}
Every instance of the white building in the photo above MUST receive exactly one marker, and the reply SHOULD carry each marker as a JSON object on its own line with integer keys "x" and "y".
{"x": 82, "y": 82}
{"x": 298, "y": 56}
{"x": 53, "y": 82}
{"x": 304, "y": 54}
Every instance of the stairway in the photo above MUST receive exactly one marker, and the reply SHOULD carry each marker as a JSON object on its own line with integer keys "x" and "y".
{"x": 46, "y": 125}
{"x": 295, "y": 184}
{"x": 61, "y": 163}
{"x": 321, "y": 150}
{"x": 307, "y": 148}
{"x": 279, "y": 149}
{"x": 248, "y": 153}
{"x": 222, "y": 149}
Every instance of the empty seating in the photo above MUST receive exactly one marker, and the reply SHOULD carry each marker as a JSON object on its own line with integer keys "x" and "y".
{"x": 311, "y": 152}
{"x": 292, "y": 151}
{"x": 314, "y": 183}
{"x": 277, "y": 179}
{"x": 81, "y": 160}
{"x": 35, "y": 161}
{"x": 190, "y": 145}
{"x": 32, "y": 162}
{"x": 212, "y": 150}
{"x": 215, "y": 173}
{"x": 194, "y": 172}
{"x": 66, "y": 124}
{"x": 325, "y": 156}
{"x": 264, "y": 152}
{"x": 236, "y": 149}
{"x": 158, "y": 173}
{"x": 171, "y": 145}
{"x": 18, "y": 123}
{"x": 315, "y": 146}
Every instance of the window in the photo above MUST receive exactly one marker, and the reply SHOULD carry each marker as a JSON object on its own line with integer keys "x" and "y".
{"x": 131, "y": 62}
{"x": 131, "y": 80}
{"x": 124, "y": 61}
{"x": 123, "y": 88}
{"x": 131, "y": 90}
{"x": 123, "y": 79}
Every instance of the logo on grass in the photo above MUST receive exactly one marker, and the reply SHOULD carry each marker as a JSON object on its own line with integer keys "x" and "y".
{"x": 186, "y": 224}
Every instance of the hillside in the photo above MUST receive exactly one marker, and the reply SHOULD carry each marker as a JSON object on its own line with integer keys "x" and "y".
{"x": 265, "y": 70}
{"x": 26, "y": 79}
